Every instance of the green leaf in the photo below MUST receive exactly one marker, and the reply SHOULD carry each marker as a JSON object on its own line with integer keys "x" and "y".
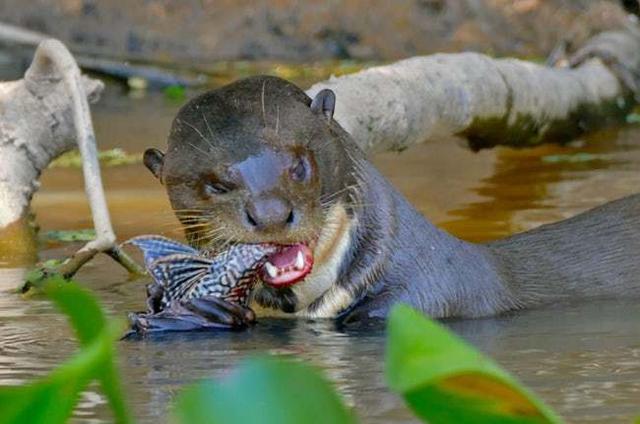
{"x": 444, "y": 380}
{"x": 109, "y": 378}
{"x": 111, "y": 157}
{"x": 52, "y": 398}
{"x": 265, "y": 390}
{"x": 580, "y": 157}
{"x": 89, "y": 322}
{"x": 82, "y": 308}
{"x": 175, "y": 93}
{"x": 633, "y": 118}
{"x": 47, "y": 401}
{"x": 70, "y": 235}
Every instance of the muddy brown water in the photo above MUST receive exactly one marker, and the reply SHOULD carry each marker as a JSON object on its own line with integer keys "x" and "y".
{"x": 583, "y": 359}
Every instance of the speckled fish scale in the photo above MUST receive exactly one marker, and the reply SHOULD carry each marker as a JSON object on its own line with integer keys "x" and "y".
{"x": 185, "y": 273}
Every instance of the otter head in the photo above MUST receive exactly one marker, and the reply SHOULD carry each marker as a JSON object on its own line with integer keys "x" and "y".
{"x": 256, "y": 161}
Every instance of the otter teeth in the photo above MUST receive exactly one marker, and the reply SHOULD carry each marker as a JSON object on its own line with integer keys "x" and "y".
{"x": 271, "y": 270}
{"x": 299, "y": 261}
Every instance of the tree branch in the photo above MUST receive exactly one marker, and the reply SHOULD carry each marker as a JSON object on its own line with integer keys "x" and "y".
{"x": 36, "y": 126}
{"x": 52, "y": 58}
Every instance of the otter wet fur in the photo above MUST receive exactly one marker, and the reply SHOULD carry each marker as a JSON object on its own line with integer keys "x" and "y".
{"x": 258, "y": 161}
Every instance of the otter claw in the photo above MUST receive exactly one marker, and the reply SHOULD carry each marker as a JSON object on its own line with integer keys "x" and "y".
{"x": 216, "y": 309}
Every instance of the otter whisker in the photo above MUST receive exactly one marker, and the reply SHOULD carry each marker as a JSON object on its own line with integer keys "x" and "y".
{"x": 189, "y": 210}
{"x": 334, "y": 193}
{"x": 207, "y": 124}
{"x": 328, "y": 197}
{"x": 171, "y": 225}
{"x": 199, "y": 149}
{"x": 210, "y": 142}
{"x": 171, "y": 213}
{"x": 190, "y": 215}
{"x": 201, "y": 136}
{"x": 186, "y": 217}
{"x": 264, "y": 112}
{"x": 211, "y": 235}
{"x": 194, "y": 227}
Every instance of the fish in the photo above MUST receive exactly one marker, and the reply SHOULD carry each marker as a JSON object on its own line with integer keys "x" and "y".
{"x": 182, "y": 273}
{"x": 185, "y": 273}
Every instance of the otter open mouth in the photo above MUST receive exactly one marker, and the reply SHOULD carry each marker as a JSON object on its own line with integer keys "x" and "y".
{"x": 290, "y": 264}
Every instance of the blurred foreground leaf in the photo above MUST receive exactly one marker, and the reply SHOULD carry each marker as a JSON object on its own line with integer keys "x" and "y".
{"x": 264, "y": 390}
{"x": 444, "y": 380}
{"x": 52, "y": 399}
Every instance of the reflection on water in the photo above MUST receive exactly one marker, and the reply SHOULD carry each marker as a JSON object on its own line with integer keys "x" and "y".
{"x": 531, "y": 187}
{"x": 583, "y": 359}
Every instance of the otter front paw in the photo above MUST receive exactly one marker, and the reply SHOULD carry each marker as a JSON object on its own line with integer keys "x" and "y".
{"x": 205, "y": 313}
{"x": 217, "y": 310}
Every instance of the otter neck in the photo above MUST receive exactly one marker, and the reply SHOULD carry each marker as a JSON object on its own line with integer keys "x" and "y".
{"x": 395, "y": 254}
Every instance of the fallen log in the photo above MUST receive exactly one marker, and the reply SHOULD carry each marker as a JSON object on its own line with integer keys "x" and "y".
{"x": 490, "y": 101}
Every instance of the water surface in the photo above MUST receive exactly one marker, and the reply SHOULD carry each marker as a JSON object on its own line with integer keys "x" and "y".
{"x": 583, "y": 359}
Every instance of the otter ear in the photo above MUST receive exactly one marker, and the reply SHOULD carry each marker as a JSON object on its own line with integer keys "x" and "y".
{"x": 324, "y": 102}
{"x": 154, "y": 159}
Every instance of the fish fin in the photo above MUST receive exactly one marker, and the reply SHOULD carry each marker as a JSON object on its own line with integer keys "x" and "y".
{"x": 154, "y": 247}
{"x": 179, "y": 273}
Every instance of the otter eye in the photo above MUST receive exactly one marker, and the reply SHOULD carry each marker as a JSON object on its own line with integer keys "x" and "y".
{"x": 213, "y": 187}
{"x": 299, "y": 171}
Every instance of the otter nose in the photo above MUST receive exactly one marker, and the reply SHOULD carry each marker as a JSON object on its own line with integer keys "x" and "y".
{"x": 269, "y": 214}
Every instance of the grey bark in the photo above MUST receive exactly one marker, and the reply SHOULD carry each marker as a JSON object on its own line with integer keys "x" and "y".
{"x": 489, "y": 101}
{"x": 41, "y": 117}
{"x": 37, "y": 116}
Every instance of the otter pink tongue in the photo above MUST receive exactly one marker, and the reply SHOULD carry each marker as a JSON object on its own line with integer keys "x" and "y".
{"x": 288, "y": 265}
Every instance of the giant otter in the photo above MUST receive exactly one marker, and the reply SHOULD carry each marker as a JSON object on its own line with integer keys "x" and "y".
{"x": 259, "y": 161}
